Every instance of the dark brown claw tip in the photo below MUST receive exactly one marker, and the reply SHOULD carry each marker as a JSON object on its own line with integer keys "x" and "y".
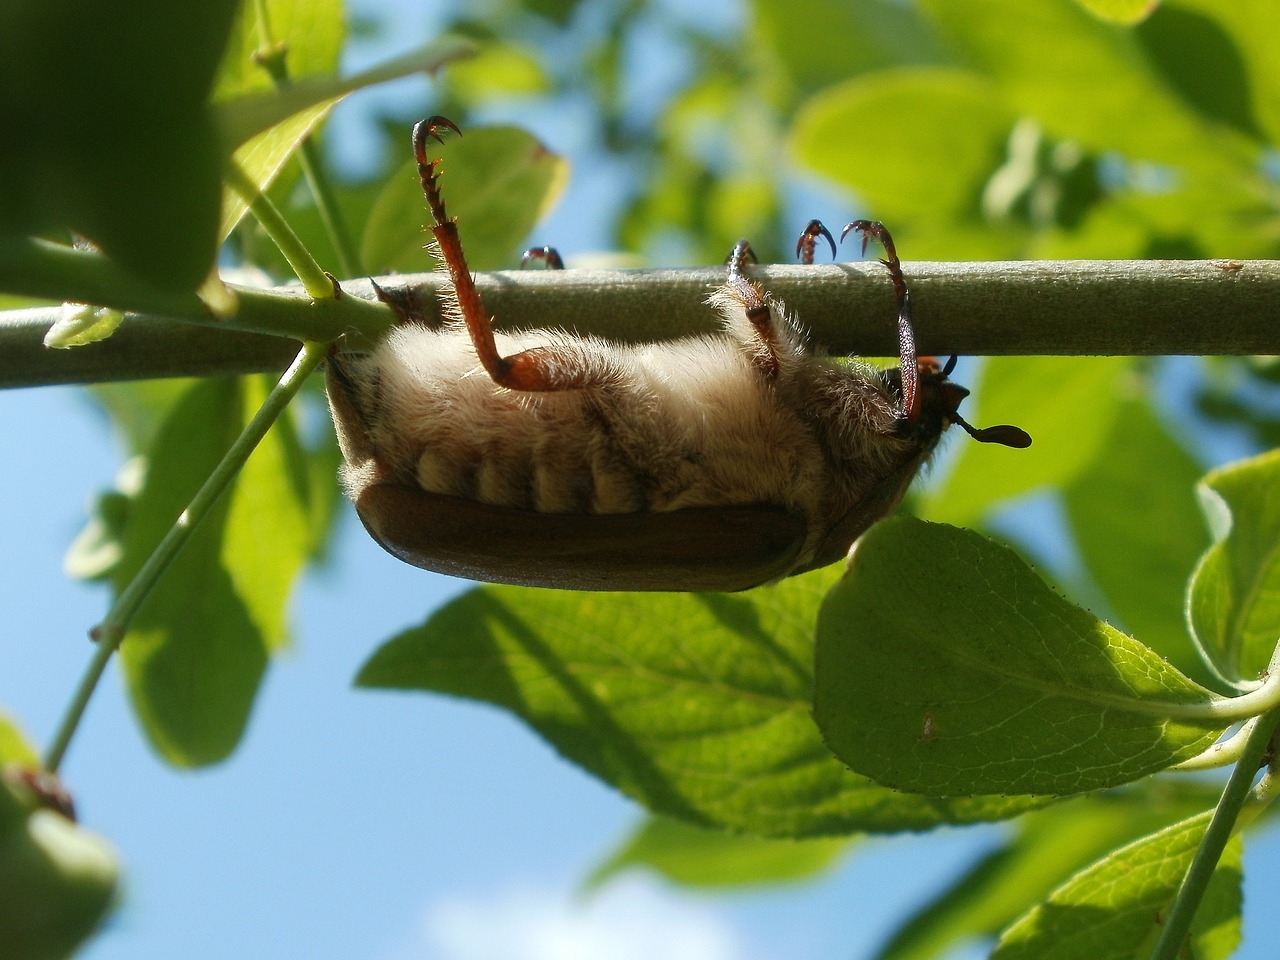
{"x": 430, "y": 128}
{"x": 548, "y": 255}
{"x": 812, "y": 231}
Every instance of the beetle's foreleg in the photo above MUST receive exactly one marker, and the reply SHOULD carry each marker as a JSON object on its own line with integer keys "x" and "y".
{"x": 907, "y": 360}
{"x": 542, "y": 368}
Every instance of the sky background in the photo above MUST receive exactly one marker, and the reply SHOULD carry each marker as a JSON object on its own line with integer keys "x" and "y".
{"x": 373, "y": 825}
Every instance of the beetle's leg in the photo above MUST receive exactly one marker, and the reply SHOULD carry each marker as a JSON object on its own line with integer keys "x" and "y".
{"x": 542, "y": 368}
{"x": 907, "y": 360}
{"x": 812, "y": 231}
{"x": 752, "y": 299}
{"x": 548, "y": 255}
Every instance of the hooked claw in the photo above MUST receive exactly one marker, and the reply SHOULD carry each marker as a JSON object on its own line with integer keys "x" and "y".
{"x": 808, "y": 239}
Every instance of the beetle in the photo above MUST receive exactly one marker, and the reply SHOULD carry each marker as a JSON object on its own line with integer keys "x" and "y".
{"x": 708, "y": 463}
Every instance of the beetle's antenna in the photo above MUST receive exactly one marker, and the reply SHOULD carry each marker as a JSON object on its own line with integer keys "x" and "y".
{"x": 1003, "y": 433}
{"x": 875, "y": 230}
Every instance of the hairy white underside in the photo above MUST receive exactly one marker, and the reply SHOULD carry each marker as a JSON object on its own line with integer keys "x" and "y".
{"x": 692, "y": 422}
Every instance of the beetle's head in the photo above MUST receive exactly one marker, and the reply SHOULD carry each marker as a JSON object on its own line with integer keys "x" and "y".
{"x": 937, "y": 401}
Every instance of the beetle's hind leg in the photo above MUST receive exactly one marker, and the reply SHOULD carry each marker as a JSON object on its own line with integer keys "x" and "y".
{"x": 541, "y": 368}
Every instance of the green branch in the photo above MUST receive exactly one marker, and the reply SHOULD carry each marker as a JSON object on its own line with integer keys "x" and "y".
{"x": 1040, "y": 307}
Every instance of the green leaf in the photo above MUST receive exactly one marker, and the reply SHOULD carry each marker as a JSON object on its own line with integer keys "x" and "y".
{"x": 497, "y": 181}
{"x": 1067, "y": 404}
{"x": 1034, "y": 860}
{"x": 14, "y": 746}
{"x": 59, "y": 880}
{"x": 835, "y": 39}
{"x": 197, "y": 649}
{"x": 1120, "y": 11}
{"x": 713, "y": 859}
{"x": 1133, "y": 514}
{"x": 132, "y": 81}
{"x": 921, "y": 172}
{"x": 1088, "y": 81}
{"x": 696, "y": 705}
{"x": 1113, "y": 910}
{"x": 311, "y": 35}
{"x": 994, "y": 684}
{"x": 248, "y": 116}
{"x": 1246, "y": 68}
{"x": 1234, "y": 597}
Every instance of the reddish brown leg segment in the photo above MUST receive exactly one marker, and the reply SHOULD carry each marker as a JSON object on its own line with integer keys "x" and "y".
{"x": 541, "y": 368}
{"x": 875, "y": 230}
{"x": 756, "y": 306}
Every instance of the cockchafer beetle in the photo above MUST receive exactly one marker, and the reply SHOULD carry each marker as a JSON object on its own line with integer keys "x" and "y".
{"x": 715, "y": 462}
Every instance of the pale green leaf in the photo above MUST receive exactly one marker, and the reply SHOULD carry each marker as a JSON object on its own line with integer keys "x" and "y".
{"x": 696, "y": 705}
{"x": 1234, "y": 597}
{"x": 497, "y": 181}
{"x": 1113, "y": 910}
{"x": 994, "y": 685}
{"x": 713, "y": 859}
{"x": 1067, "y": 404}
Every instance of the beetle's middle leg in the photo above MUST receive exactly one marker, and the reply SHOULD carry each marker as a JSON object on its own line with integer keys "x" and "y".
{"x": 541, "y": 368}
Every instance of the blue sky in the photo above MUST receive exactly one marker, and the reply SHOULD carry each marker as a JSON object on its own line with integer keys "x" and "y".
{"x": 382, "y": 826}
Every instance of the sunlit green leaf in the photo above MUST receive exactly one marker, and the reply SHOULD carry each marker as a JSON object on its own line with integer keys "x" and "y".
{"x": 1247, "y": 70}
{"x": 1025, "y": 869}
{"x": 310, "y": 36}
{"x": 1003, "y": 687}
{"x": 1134, "y": 517}
{"x": 697, "y": 705}
{"x": 1067, "y": 404}
{"x": 1120, "y": 11}
{"x": 836, "y": 39}
{"x": 891, "y": 136}
{"x": 198, "y": 647}
{"x": 700, "y": 858}
{"x": 14, "y": 746}
{"x": 1113, "y": 910}
{"x": 1051, "y": 57}
{"x": 497, "y": 181}
{"x": 1234, "y": 597}
{"x": 246, "y": 117}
